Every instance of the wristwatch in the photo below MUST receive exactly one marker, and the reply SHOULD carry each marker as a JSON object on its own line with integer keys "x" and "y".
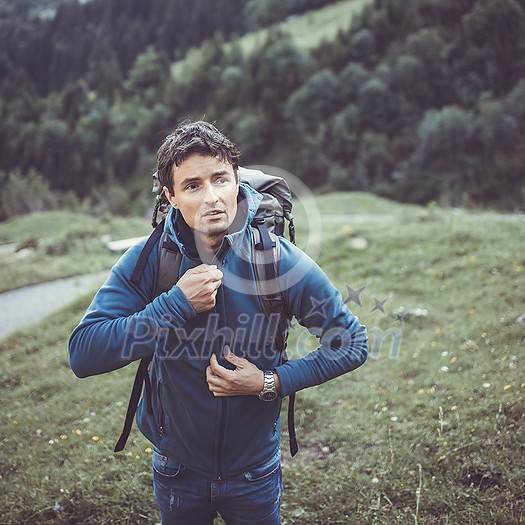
{"x": 269, "y": 393}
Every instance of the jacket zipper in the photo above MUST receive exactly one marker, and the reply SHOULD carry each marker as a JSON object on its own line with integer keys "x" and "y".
{"x": 222, "y": 411}
{"x": 222, "y": 401}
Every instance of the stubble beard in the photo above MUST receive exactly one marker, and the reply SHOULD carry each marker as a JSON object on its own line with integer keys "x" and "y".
{"x": 211, "y": 235}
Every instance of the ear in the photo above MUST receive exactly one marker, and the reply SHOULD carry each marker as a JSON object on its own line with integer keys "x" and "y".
{"x": 169, "y": 196}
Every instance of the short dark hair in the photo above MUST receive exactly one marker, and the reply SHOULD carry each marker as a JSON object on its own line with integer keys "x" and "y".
{"x": 189, "y": 138}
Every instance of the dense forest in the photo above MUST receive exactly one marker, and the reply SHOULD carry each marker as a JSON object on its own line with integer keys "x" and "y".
{"x": 418, "y": 100}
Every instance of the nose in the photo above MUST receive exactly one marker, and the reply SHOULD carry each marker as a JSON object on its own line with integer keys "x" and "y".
{"x": 210, "y": 197}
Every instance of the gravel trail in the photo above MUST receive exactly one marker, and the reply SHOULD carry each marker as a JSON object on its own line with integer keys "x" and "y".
{"x": 28, "y": 305}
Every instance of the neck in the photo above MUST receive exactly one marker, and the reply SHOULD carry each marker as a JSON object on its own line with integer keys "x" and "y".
{"x": 208, "y": 245}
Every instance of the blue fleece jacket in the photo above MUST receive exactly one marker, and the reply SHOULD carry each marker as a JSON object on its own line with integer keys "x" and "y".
{"x": 215, "y": 436}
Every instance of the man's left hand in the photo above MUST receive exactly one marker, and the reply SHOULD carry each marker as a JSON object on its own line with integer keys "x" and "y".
{"x": 245, "y": 380}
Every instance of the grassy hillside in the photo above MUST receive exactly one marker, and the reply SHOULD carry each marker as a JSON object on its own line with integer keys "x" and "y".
{"x": 427, "y": 432}
{"x": 60, "y": 244}
{"x": 310, "y": 29}
{"x": 307, "y": 30}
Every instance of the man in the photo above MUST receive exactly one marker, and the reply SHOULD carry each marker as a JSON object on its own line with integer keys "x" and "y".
{"x": 216, "y": 388}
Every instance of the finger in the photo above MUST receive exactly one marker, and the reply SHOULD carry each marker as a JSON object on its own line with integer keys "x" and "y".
{"x": 216, "y": 368}
{"x": 216, "y": 386}
{"x": 212, "y": 384}
{"x": 203, "y": 268}
{"x": 215, "y": 275}
{"x": 232, "y": 358}
{"x": 214, "y": 286}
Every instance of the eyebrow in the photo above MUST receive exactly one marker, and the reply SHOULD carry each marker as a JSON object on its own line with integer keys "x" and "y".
{"x": 198, "y": 178}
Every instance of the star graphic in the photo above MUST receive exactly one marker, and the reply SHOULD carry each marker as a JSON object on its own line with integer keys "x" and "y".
{"x": 319, "y": 307}
{"x": 378, "y": 305}
{"x": 354, "y": 295}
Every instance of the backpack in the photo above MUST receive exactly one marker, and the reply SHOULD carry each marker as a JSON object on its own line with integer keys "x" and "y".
{"x": 268, "y": 225}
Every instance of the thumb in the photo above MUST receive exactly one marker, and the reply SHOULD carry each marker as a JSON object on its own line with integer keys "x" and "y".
{"x": 232, "y": 358}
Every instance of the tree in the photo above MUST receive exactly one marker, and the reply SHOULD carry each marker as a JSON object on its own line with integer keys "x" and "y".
{"x": 428, "y": 73}
{"x": 74, "y": 102}
{"x": 377, "y": 107}
{"x": 104, "y": 72}
{"x": 340, "y": 140}
{"x": 443, "y": 164}
{"x": 71, "y": 44}
{"x": 261, "y": 13}
{"x": 250, "y": 133}
{"x": 229, "y": 87}
{"x": 363, "y": 47}
{"x": 26, "y": 194}
{"x": 315, "y": 100}
{"x": 498, "y": 27}
{"x": 351, "y": 78}
{"x": 150, "y": 72}
{"x": 281, "y": 69}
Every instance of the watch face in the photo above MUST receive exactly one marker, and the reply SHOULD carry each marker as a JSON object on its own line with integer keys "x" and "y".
{"x": 268, "y": 396}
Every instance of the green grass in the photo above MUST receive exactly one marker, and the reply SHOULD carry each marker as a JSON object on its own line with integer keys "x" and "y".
{"x": 357, "y": 202}
{"x": 392, "y": 443}
{"x": 307, "y": 30}
{"x": 310, "y": 29}
{"x": 61, "y": 244}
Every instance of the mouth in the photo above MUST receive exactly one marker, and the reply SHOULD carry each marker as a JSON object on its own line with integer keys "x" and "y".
{"x": 214, "y": 213}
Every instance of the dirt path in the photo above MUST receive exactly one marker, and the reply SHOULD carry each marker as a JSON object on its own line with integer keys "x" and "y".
{"x": 28, "y": 305}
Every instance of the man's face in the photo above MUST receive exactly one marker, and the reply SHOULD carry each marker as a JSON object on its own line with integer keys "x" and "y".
{"x": 205, "y": 191}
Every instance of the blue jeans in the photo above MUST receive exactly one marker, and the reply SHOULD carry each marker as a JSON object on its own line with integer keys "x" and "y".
{"x": 187, "y": 498}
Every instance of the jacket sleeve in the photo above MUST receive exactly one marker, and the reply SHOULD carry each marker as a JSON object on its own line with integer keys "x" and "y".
{"x": 318, "y": 305}
{"x": 123, "y": 324}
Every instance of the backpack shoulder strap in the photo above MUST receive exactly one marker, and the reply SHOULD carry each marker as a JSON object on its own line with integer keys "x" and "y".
{"x": 169, "y": 261}
{"x": 140, "y": 379}
{"x": 145, "y": 253}
{"x": 266, "y": 257}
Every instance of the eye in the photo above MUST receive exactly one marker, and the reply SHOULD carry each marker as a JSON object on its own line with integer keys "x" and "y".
{"x": 192, "y": 186}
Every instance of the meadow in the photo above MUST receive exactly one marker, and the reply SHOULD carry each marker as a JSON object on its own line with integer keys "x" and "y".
{"x": 429, "y": 431}
{"x": 55, "y": 244}
{"x": 307, "y": 31}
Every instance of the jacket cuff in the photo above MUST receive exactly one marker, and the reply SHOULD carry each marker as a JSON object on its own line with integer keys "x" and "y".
{"x": 180, "y": 304}
{"x": 285, "y": 380}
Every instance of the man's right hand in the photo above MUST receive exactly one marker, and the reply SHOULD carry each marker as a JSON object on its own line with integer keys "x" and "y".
{"x": 200, "y": 285}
